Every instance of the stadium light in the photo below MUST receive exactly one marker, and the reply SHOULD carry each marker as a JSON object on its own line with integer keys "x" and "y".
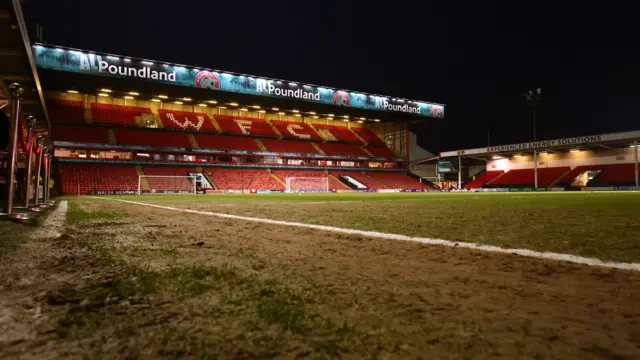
{"x": 275, "y": 109}
{"x": 632, "y": 146}
{"x": 574, "y": 150}
{"x": 202, "y": 105}
{"x": 186, "y": 98}
{"x": 113, "y": 57}
{"x": 127, "y": 60}
{"x": 346, "y": 116}
{"x": 133, "y": 93}
{"x": 255, "y": 106}
{"x": 533, "y": 98}
{"x": 244, "y": 109}
{"x": 360, "y": 121}
{"x": 330, "y": 118}
{"x": 262, "y": 111}
{"x": 346, "y": 120}
{"x": 178, "y": 102}
{"x": 106, "y": 90}
{"x": 316, "y": 117}
{"x": 295, "y": 111}
{"x": 293, "y": 84}
{"x": 312, "y": 113}
{"x": 72, "y": 91}
{"x": 363, "y": 119}
{"x": 222, "y": 107}
{"x": 298, "y": 115}
{"x": 212, "y": 102}
{"x": 156, "y": 100}
{"x": 543, "y": 153}
{"x": 233, "y": 103}
{"x": 281, "y": 113}
{"x": 103, "y": 94}
{"x": 376, "y": 120}
{"x": 331, "y": 115}
{"x": 129, "y": 97}
{"x": 147, "y": 62}
{"x": 163, "y": 96}
{"x": 497, "y": 157}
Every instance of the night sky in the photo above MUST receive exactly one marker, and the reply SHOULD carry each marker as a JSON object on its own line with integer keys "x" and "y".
{"x": 476, "y": 57}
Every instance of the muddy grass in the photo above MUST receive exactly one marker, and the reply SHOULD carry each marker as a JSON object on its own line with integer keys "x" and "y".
{"x": 132, "y": 282}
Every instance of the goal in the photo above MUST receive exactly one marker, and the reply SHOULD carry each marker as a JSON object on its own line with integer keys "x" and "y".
{"x": 307, "y": 184}
{"x": 159, "y": 184}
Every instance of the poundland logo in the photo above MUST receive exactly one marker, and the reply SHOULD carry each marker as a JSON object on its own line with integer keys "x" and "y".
{"x": 403, "y": 108}
{"x": 89, "y": 62}
{"x": 268, "y": 87}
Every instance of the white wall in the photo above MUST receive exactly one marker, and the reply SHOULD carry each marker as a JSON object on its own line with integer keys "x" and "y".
{"x": 587, "y": 157}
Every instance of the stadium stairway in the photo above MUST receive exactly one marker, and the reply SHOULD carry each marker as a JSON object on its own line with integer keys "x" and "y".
{"x": 557, "y": 180}
{"x": 318, "y": 149}
{"x": 261, "y": 144}
{"x": 358, "y": 137}
{"x": 112, "y": 136}
{"x": 88, "y": 118}
{"x": 495, "y": 178}
{"x": 275, "y": 130}
{"x": 144, "y": 182}
{"x": 366, "y": 150}
{"x": 215, "y": 125}
{"x": 209, "y": 178}
{"x": 193, "y": 141}
{"x": 277, "y": 178}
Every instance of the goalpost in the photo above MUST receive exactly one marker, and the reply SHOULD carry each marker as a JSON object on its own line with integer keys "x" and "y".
{"x": 307, "y": 184}
{"x": 160, "y": 184}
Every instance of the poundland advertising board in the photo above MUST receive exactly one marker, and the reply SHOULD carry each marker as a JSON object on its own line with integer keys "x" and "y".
{"x": 55, "y": 58}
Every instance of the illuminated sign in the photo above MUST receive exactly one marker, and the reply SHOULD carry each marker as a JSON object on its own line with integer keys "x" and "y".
{"x": 52, "y": 58}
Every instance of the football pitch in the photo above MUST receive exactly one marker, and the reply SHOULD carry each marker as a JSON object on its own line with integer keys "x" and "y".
{"x": 132, "y": 281}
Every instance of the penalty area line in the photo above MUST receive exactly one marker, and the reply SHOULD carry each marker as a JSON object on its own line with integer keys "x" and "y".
{"x": 380, "y": 235}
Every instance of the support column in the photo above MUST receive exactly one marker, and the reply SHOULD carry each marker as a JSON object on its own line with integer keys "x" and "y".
{"x": 16, "y": 91}
{"x": 635, "y": 161}
{"x": 29, "y": 165}
{"x": 459, "y": 172}
{"x": 535, "y": 168}
{"x": 47, "y": 176}
{"x": 38, "y": 169}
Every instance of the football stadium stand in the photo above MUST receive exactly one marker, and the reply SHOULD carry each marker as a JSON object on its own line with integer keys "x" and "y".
{"x": 483, "y": 179}
{"x": 526, "y": 177}
{"x": 342, "y": 149}
{"x": 82, "y": 134}
{"x": 398, "y": 180}
{"x": 151, "y": 138}
{"x": 183, "y": 120}
{"x": 296, "y": 130}
{"x": 90, "y": 178}
{"x": 338, "y": 133}
{"x": 66, "y": 110}
{"x": 222, "y": 142}
{"x": 237, "y": 125}
{"x": 289, "y": 146}
{"x": 117, "y": 114}
{"x": 368, "y": 136}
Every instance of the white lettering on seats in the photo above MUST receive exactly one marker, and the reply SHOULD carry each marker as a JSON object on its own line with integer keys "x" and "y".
{"x": 244, "y": 126}
{"x": 186, "y": 123}
{"x": 292, "y": 127}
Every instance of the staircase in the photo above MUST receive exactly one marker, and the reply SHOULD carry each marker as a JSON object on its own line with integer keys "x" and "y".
{"x": 277, "y": 178}
{"x": 358, "y": 136}
{"x": 144, "y": 182}
{"x": 345, "y": 182}
{"x": 315, "y": 146}
{"x": 215, "y": 124}
{"x": 495, "y": 178}
{"x": 87, "y": 113}
{"x": 555, "y": 182}
{"x": 192, "y": 141}
{"x": 261, "y": 145}
{"x": 366, "y": 151}
{"x": 209, "y": 178}
{"x": 376, "y": 180}
{"x": 112, "y": 136}
{"x": 275, "y": 129}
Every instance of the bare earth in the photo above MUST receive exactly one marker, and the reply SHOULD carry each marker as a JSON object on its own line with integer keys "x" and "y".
{"x": 130, "y": 282}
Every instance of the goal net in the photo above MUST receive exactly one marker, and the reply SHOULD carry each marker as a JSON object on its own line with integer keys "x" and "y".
{"x": 307, "y": 184}
{"x": 159, "y": 184}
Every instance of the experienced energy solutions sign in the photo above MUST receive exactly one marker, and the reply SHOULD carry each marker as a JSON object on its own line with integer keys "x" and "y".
{"x": 54, "y": 58}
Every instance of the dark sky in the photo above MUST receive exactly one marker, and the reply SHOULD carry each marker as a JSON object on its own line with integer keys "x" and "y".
{"x": 476, "y": 57}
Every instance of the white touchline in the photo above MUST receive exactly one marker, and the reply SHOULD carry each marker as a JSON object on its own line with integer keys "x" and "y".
{"x": 374, "y": 234}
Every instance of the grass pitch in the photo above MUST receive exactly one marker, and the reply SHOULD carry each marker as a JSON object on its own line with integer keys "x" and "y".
{"x": 603, "y": 225}
{"x": 126, "y": 281}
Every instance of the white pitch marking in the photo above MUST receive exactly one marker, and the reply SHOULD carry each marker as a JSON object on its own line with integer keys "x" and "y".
{"x": 53, "y": 225}
{"x": 429, "y": 241}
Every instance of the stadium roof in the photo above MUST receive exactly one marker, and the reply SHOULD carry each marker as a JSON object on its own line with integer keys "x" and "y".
{"x": 88, "y": 71}
{"x": 603, "y": 141}
{"x": 17, "y": 63}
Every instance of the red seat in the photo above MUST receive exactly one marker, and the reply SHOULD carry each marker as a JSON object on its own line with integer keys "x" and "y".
{"x": 526, "y": 177}
{"x": 368, "y": 136}
{"x": 398, "y": 180}
{"x": 66, "y": 111}
{"x": 237, "y": 179}
{"x": 381, "y": 151}
{"x": 483, "y": 178}
{"x": 296, "y": 130}
{"x": 237, "y": 125}
{"x": 82, "y": 134}
{"x": 226, "y": 142}
{"x": 178, "y": 180}
{"x": 337, "y": 133}
{"x": 151, "y": 138}
{"x": 117, "y": 114}
{"x": 342, "y": 149}
{"x": 183, "y": 120}
{"x": 361, "y": 178}
{"x": 89, "y": 178}
{"x": 333, "y": 183}
{"x": 289, "y": 146}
